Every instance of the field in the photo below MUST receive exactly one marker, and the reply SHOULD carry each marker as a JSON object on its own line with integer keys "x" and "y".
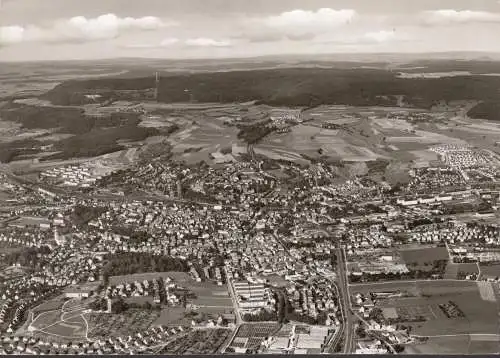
{"x": 206, "y": 341}
{"x": 308, "y": 139}
{"x": 102, "y": 325}
{"x": 209, "y": 296}
{"x": 51, "y": 305}
{"x": 490, "y": 271}
{"x": 422, "y": 259}
{"x": 481, "y": 314}
{"x": 250, "y": 336}
{"x": 460, "y": 344}
{"x": 453, "y": 270}
{"x": 200, "y": 137}
{"x": 171, "y": 316}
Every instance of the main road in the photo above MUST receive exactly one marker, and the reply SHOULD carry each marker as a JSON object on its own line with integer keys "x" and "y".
{"x": 345, "y": 301}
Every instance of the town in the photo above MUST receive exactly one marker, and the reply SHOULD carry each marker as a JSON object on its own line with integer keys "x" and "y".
{"x": 247, "y": 256}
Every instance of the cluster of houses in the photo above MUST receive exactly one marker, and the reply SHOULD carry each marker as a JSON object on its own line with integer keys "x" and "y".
{"x": 158, "y": 290}
{"x": 314, "y": 298}
{"x": 139, "y": 343}
{"x": 73, "y": 175}
{"x": 461, "y": 156}
{"x": 426, "y": 179}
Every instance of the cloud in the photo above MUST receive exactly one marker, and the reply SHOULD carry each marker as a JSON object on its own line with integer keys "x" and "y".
{"x": 368, "y": 38}
{"x": 173, "y": 41}
{"x": 448, "y": 17}
{"x": 275, "y": 37}
{"x": 380, "y": 36}
{"x": 324, "y": 18}
{"x": 206, "y": 42}
{"x": 81, "y": 29}
{"x": 11, "y": 34}
{"x": 169, "y": 42}
{"x": 295, "y": 25}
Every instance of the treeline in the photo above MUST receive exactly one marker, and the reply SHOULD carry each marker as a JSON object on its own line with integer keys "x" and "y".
{"x": 83, "y": 214}
{"x": 295, "y": 87}
{"x": 253, "y": 134}
{"x": 262, "y": 316}
{"x": 93, "y": 136}
{"x": 436, "y": 272}
{"x": 489, "y": 110}
{"x": 10, "y": 151}
{"x": 28, "y": 257}
{"x": 119, "y": 305}
{"x": 130, "y": 263}
{"x": 99, "y": 141}
{"x": 66, "y": 120}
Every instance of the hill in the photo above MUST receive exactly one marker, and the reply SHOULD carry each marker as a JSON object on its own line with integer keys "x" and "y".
{"x": 287, "y": 87}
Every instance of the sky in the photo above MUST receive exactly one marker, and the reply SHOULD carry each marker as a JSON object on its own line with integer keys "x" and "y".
{"x": 33, "y": 30}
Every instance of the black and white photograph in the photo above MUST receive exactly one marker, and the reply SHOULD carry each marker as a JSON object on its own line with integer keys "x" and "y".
{"x": 242, "y": 177}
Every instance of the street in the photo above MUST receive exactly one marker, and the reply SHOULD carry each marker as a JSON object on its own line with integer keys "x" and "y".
{"x": 345, "y": 300}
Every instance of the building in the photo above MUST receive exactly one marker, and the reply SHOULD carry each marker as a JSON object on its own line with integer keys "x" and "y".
{"x": 250, "y": 295}
{"x": 82, "y": 291}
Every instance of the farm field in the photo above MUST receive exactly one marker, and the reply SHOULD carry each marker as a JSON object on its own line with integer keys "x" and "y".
{"x": 206, "y": 341}
{"x": 196, "y": 142}
{"x": 102, "y": 325}
{"x": 250, "y": 336}
{"x": 490, "y": 271}
{"x": 461, "y": 344}
{"x": 210, "y": 295}
{"x": 422, "y": 259}
{"x": 307, "y": 139}
{"x": 453, "y": 270}
{"x": 480, "y": 314}
{"x": 171, "y": 316}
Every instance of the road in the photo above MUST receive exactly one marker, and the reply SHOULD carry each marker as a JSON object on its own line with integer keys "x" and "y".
{"x": 345, "y": 300}
{"x": 235, "y": 308}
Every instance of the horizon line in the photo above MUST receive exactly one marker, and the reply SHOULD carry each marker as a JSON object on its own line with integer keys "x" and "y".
{"x": 143, "y": 58}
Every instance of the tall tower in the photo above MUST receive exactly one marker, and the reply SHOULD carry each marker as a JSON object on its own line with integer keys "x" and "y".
{"x": 157, "y": 85}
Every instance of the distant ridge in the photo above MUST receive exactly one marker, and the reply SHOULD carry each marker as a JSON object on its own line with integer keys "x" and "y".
{"x": 354, "y": 57}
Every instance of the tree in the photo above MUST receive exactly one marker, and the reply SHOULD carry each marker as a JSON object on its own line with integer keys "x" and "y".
{"x": 119, "y": 306}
